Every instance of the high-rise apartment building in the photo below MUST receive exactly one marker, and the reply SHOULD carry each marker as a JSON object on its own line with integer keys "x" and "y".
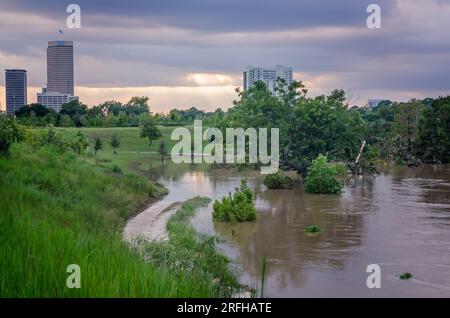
{"x": 60, "y": 78}
{"x": 16, "y": 90}
{"x": 269, "y": 76}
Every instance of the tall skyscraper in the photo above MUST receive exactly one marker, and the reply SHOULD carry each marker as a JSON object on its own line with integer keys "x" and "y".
{"x": 269, "y": 76}
{"x": 60, "y": 67}
{"x": 16, "y": 90}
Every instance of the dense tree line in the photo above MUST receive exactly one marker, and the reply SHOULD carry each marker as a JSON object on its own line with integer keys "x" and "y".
{"x": 406, "y": 133}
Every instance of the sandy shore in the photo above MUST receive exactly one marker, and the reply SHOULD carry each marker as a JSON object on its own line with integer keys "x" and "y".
{"x": 150, "y": 224}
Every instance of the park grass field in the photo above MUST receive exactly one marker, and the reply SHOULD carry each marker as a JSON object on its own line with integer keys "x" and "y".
{"x": 133, "y": 150}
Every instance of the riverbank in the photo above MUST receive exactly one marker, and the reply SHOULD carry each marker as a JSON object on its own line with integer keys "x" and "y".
{"x": 181, "y": 249}
{"x": 60, "y": 209}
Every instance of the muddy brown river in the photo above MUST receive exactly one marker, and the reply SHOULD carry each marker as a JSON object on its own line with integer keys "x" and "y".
{"x": 399, "y": 220}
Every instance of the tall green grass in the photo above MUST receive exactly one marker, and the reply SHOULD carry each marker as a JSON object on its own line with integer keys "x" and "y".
{"x": 56, "y": 210}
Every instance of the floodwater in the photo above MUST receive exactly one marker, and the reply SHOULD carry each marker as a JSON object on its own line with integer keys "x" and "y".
{"x": 399, "y": 220}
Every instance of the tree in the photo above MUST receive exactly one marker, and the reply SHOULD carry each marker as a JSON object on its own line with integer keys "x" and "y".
{"x": 162, "y": 150}
{"x": 115, "y": 142}
{"x": 79, "y": 143}
{"x": 433, "y": 138}
{"x": 76, "y": 111}
{"x": 41, "y": 114}
{"x": 150, "y": 130}
{"x": 97, "y": 144}
{"x": 10, "y": 132}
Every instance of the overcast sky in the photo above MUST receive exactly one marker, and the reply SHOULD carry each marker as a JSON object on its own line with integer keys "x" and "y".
{"x": 184, "y": 53}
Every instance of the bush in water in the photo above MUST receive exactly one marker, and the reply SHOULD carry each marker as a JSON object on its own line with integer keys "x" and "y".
{"x": 321, "y": 177}
{"x": 237, "y": 207}
{"x": 278, "y": 181}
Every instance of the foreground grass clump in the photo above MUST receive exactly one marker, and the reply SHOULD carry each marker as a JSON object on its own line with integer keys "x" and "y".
{"x": 322, "y": 177}
{"x": 406, "y": 276}
{"x": 312, "y": 229}
{"x": 57, "y": 210}
{"x": 237, "y": 207}
{"x": 196, "y": 256}
{"x": 278, "y": 181}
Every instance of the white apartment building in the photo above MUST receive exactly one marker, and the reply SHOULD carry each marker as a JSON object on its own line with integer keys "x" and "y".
{"x": 269, "y": 76}
{"x": 54, "y": 100}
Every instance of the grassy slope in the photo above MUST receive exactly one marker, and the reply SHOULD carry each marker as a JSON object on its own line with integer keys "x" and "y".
{"x": 57, "y": 210}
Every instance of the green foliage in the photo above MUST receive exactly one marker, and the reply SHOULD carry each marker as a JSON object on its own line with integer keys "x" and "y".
{"x": 321, "y": 177}
{"x": 187, "y": 253}
{"x": 406, "y": 276}
{"x": 79, "y": 143}
{"x": 433, "y": 141}
{"x": 116, "y": 169}
{"x": 237, "y": 207}
{"x": 278, "y": 181}
{"x": 150, "y": 130}
{"x": 76, "y": 111}
{"x": 115, "y": 142}
{"x": 36, "y": 115}
{"x": 10, "y": 132}
{"x": 312, "y": 229}
{"x": 98, "y": 145}
{"x": 308, "y": 126}
{"x": 57, "y": 210}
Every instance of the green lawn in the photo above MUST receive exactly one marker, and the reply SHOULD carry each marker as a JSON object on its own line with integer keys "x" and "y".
{"x": 132, "y": 150}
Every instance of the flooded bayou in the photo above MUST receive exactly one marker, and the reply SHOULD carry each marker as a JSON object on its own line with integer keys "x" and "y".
{"x": 399, "y": 219}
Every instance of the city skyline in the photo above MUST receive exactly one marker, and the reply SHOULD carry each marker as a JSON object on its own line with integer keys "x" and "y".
{"x": 182, "y": 55}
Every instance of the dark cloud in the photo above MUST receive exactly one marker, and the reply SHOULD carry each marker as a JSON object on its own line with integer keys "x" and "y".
{"x": 159, "y": 43}
{"x": 214, "y": 15}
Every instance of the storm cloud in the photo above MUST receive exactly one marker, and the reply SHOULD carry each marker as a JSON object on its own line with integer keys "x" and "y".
{"x": 186, "y": 53}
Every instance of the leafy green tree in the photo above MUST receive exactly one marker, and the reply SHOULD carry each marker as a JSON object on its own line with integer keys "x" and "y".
{"x": 433, "y": 138}
{"x": 76, "y": 111}
{"x": 115, "y": 142}
{"x": 403, "y": 131}
{"x": 65, "y": 121}
{"x": 150, "y": 130}
{"x": 321, "y": 177}
{"x": 36, "y": 114}
{"x": 97, "y": 144}
{"x": 10, "y": 132}
{"x": 79, "y": 143}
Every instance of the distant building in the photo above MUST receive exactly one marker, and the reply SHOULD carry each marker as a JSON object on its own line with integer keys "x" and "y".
{"x": 16, "y": 90}
{"x": 269, "y": 76}
{"x": 374, "y": 102}
{"x": 60, "y": 76}
{"x": 54, "y": 100}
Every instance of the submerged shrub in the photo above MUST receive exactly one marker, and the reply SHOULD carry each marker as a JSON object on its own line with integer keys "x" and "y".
{"x": 321, "y": 177}
{"x": 237, "y": 207}
{"x": 406, "y": 276}
{"x": 312, "y": 229}
{"x": 278, "y": 181}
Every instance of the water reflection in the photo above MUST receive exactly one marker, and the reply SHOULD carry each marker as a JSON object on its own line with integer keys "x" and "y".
{"x": 399, "y": 219}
